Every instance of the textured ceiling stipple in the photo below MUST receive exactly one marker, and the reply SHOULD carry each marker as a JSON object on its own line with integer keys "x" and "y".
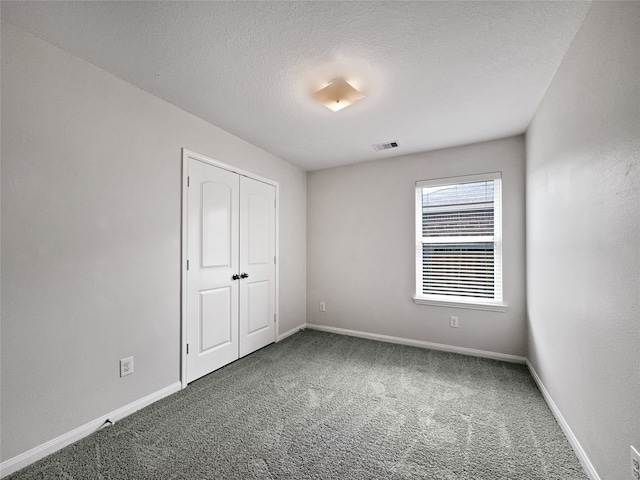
{"x": 434, "y": 74}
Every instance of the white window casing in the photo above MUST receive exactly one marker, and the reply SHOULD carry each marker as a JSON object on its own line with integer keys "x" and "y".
{"x": 459, "y": 242}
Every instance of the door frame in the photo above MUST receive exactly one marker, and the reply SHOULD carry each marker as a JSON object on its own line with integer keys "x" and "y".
{"x": 186, "y": 155}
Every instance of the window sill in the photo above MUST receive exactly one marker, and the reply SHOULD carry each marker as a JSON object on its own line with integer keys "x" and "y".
{"x": 492, "y": 307}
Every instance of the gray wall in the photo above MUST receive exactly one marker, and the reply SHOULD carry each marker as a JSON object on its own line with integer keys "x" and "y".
{"x": 361, "y": 248}
{"x": 583, "y": 236}
{"x": 91, "y": 178}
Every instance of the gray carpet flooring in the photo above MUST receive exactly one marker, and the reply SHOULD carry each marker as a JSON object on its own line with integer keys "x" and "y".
{"x": 325, "y": 406}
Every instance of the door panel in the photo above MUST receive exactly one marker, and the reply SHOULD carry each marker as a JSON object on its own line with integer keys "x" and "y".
{"x": 215, "y": 304}
{"x": 216, "y": 233}
{"x": 258, "y": 228}
{"x": 257, "y": 255}
{"x": 258, "y": 300}
{"x": 212, "y": 251}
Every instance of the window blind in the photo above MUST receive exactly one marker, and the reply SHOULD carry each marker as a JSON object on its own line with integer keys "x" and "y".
{"x": 460, "y": 240}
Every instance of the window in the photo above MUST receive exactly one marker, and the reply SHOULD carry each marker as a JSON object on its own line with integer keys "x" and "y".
{"x": 459, "y": 242}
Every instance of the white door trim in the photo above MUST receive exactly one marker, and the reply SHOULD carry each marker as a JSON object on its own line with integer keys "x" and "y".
{"x": 186, "y": 155}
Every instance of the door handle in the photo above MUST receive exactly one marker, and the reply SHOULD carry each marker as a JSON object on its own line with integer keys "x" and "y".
{"x": 235, "y": 277}
{"x": 244, "y": 275}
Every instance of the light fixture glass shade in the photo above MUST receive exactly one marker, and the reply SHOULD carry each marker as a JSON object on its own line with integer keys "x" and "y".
{"x": 338, "y": 95}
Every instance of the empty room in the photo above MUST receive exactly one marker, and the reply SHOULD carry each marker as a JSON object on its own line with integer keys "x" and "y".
{"x": 320, "y": 240}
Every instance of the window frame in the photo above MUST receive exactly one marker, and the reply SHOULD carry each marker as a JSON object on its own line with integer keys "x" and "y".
{"x": 492, "y": 304}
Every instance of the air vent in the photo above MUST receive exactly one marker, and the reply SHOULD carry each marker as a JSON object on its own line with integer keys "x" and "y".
{"x": 385, "y": 146}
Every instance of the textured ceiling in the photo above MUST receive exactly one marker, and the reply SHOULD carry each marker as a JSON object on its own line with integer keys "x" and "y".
{"x": 435, "y": 74}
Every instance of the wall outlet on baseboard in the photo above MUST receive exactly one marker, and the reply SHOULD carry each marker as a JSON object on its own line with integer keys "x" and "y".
{"x": 635, "y": 463}
{"x": 126, "y": 366}
{"x": 454, "y": 321}
{"x": 323, "y": 307}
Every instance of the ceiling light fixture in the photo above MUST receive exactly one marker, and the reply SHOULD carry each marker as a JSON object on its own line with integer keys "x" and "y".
{"x": 337, "y": 95}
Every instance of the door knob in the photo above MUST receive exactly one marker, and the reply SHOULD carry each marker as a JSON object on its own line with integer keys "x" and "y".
{"x": 235, "y": 277}
{"x": 244, "y": 275}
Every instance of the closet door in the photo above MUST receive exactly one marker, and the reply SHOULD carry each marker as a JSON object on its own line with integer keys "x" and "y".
{"x": 257, "y": 265}
{"x": 213, "y": 254}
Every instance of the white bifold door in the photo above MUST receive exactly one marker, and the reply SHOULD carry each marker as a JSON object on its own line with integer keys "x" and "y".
{"x": 230, "y": 278}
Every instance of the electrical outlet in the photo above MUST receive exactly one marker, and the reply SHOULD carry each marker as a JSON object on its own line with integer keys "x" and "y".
{"x": 454, "y": 321}
{"x": 126, "y": 366}
{"x": 323, "y": 307}
{"x": 635, "y": 463}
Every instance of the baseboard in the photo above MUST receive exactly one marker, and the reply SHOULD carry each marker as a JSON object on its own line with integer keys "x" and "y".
{"x": 20, "y": 461}
{"x": 419, "y": 343}
{"x": 566, "y": 429}
{"x": 288, "y": 333}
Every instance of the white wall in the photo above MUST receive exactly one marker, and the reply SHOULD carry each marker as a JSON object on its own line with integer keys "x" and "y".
{"x": 583, "y": 236}
{"x": 361, "y": 248}
{"x": 91, "y": 176}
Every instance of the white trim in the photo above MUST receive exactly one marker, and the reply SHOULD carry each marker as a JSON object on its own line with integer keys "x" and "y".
{"x": 505, "y": 357}
{"x": 276, "y": 305}
{"x": 183, "y": 269}
{"x": 566, "y": 429}
{"x": 480, "y": 177}
{"x": 492, "y": 307}
{"x": 30, "y": 456}
{"x": 186, "y": 155}
{"x": 231, "y": 168}
{"x": 288, "y": 333}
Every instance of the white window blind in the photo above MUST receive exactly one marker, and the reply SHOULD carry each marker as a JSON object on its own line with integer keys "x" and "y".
{"x": 459, "y": 240}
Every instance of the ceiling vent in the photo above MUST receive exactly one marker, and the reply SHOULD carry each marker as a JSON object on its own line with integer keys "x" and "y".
{"x": 385, "y": 146}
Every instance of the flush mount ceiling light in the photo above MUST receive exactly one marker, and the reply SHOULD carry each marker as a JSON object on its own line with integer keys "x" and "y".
{"x": 337, "y": 95}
